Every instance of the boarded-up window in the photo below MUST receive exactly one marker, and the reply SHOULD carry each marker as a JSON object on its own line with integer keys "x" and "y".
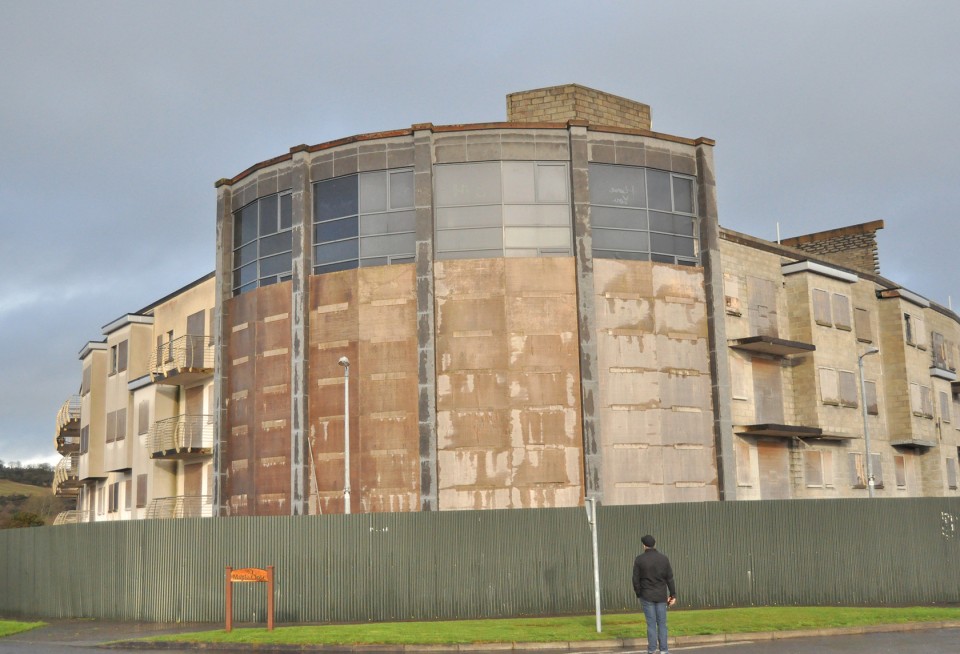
{"x": 767, "y": 391}
{"x": 114, "y": 497}
{"x": 841, "y": 312}
{"x": 739, "y": 378}
{"x": 141, "y": 491}
{"x": 84, "y": 439}
{"x": 113, "y": 359}
{"x": 939, "y": 348}
{"x": 944, "y": 407}
{"x": 848, "y": 389}
{"x": 909, "y": 329}
{"x": 143, "y": 417}
{"x": 870, "y": 388}
{"x": 829, "y": 386}
{"x": 813, "y": 468}
{"x": 821, "y": 308}
{"x": 827, "y": 459}
{"x": 862, "y": 325}
{"x": 121, "y": 424}
{"x": 731, "y": 292}
{"x": 900, "y": 470}
{"x": 956, "y": 411}
{"x": 926, "y": 401}
{"x": 85, "y": 381}
{"x": 920, "y": 333}
{"x": 916, "y": 399}
{"x": 877, "y": 470}
{"x": 122, "y": 356}
{"x": 952, "y": 473}
{"x": 858, "y": 472}
{"x": 762, "y": 294}
{"x": 744, "y": 474}
{"x": 127, "y": 493}
{"x": 111, "y": 426}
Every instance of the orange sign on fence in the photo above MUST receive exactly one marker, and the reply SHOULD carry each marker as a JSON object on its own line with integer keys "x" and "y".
{"x": 246, "y": 575}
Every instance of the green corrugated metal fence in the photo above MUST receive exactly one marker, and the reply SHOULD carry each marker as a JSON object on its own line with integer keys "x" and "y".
{"x": 467, "y": 564}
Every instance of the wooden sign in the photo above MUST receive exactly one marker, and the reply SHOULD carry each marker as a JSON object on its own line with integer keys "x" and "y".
{"x": 248, "y": 575}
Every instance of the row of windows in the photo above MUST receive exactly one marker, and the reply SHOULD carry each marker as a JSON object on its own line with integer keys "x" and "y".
{"x": 839, "y": 388}
{"x": 485, "y": 209}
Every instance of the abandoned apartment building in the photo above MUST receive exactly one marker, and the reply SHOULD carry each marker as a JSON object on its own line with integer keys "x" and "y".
{"x": 520, "y": 314}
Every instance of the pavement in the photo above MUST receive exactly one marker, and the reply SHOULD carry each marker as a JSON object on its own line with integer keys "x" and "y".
{"x": 65, "y": 635}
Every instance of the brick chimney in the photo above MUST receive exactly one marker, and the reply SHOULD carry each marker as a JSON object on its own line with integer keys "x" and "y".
{"x": 558, "y": 104}
{"x": 853, "y": 247}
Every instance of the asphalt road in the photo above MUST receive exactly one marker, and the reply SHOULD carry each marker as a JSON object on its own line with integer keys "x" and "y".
{"x": 75, "y": 636}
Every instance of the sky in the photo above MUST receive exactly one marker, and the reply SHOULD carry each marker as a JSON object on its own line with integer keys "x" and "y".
{"x": 116, "y": 119}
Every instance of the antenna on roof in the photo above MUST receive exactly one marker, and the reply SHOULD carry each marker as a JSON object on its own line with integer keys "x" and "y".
{"x": 778, "y": 232}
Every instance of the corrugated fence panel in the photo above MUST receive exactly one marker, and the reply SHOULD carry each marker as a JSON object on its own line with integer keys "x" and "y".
{"x": 465, "y": 564}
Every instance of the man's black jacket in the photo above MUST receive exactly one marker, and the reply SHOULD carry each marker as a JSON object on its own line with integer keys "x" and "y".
{"x": 653, "y": 577}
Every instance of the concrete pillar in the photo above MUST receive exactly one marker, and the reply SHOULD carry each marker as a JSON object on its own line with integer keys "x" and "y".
{"x": 302, "y": 262}
{"x": 586, "y": 312}
{"x": 426, "y": 343}
{"x": 223, "y": 292}
{"x": 716, "y": 321}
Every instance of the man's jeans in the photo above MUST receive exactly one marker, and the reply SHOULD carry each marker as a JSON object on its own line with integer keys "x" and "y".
{"x": 656, "y": 616}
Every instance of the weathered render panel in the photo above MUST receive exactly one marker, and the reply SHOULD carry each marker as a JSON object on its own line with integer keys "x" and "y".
{"x": 257, "y": 447}
{"x": 508, "y": 408}
{"x": 369, "y": 316}
{"x": 654, "y": 383}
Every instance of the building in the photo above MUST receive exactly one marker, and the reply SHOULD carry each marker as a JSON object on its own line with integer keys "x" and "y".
{"x": 539, "y": 310}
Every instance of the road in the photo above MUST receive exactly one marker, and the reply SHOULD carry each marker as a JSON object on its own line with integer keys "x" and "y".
{"x": 58, "y": 639}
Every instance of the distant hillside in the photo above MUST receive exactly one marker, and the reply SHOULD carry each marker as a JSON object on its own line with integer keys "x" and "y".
{"x": 35, "y": 475}
{"x": 26, "y": 501}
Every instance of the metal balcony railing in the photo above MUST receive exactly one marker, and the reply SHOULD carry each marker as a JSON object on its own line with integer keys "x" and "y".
{"x": 183, "y": 506}
{"x": 187, "y": 355}
{"x": 73, "y": 517}
{"x": 68, "y": 417}
{"x": 181, "y": 436}
{"x": 65, "y": 474}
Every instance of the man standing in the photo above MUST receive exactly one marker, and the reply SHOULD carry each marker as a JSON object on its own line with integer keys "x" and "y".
{"x": 653, "y": 584}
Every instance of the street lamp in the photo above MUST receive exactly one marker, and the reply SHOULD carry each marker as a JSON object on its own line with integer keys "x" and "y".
{"x": 345, "y": 362}
{"x": 866, "y": 427}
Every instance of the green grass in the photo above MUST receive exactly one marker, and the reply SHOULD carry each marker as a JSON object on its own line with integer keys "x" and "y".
{"x": 8, "y": 487}
{"x": 576, "y": 628}
{"x": 9, "y": 627}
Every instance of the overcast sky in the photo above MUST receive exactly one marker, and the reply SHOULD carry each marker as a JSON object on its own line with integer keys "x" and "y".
{"x": 116, "y": 119}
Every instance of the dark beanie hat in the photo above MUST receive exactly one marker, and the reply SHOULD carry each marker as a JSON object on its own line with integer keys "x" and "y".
{"x": 648, "y": 541}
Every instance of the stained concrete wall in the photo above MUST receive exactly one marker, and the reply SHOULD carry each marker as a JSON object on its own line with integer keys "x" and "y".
{"x": 369, "y": 316}
{"x": 658, "y": 443}
{"x": 508, "y": 405}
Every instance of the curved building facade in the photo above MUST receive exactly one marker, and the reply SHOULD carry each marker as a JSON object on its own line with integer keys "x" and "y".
{"x": 504, "y": 293}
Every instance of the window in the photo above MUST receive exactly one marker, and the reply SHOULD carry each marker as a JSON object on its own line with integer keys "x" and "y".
{"x": 85, "y": 381}
{"x": 744, "y": 476}
{"x": 127, "y": 493}
{"x": 829, "y": 386}
{"x": 848, "y": 389}
{"x": 877, "y": 470}
{"x": 122, "y": 356}
{"x": 909, "y": 328}
{"x": 121, "y": 429}
{"x": 740, "y": 378}
{"x": 862, "y": 325}
{"x": 141, "y": 491}
{"x": 951, "y": 473}
{"x": 818, "y": 468}
{"x": 113, "y": 359}
{"x": 900, "y": 470}
{"x": 870, "y": 388}
{"x": 84, "y": 439}
{"x": 939, "y": 347}
{"x": 944, "y": 407}
{"x": 143, "y": 417}
{"x": 921, "y": 400}
{"x": 858, "y": 472}
{"x": 508, "y": 208}
{"x": 841, "y": 312}
{"x": 262, "y": 242}
{"x": 731, "y": 291}
{"x": 915, "y": 331}
{"x": 113, "y": 497}
{"x": 822, "y": 308}
{"x": 111, "y": 426}
{"x": 364, "y": 220}
{"x": 643, "y": 214}
{"x": 169, "y": 346}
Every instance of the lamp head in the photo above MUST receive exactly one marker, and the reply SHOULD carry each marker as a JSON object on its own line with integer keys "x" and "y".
{"x": 344, "y": 361}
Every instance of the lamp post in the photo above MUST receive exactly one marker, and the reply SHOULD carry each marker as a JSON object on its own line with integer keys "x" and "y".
{"x": 866, "y": 427}
{"x": 345, "y": 362}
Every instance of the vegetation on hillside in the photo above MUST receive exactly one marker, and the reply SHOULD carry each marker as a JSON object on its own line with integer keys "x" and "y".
{"x": 26, "y": 498}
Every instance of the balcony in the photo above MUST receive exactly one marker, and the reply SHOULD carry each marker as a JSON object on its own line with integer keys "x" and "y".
{"x": 182, "y": 361}
{"x": 181, "y": 437}
{"x": 66, "y": 479}
{"x": 183, "y": 506}
{"x": 73, "y": 517}
{"x": 772, "y": 346}
{"x": 67, "y": 438}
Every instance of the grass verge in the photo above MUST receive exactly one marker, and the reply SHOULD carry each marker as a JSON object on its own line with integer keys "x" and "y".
{"x": 573, "y": 628}
{"x": 10, "y": 627}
